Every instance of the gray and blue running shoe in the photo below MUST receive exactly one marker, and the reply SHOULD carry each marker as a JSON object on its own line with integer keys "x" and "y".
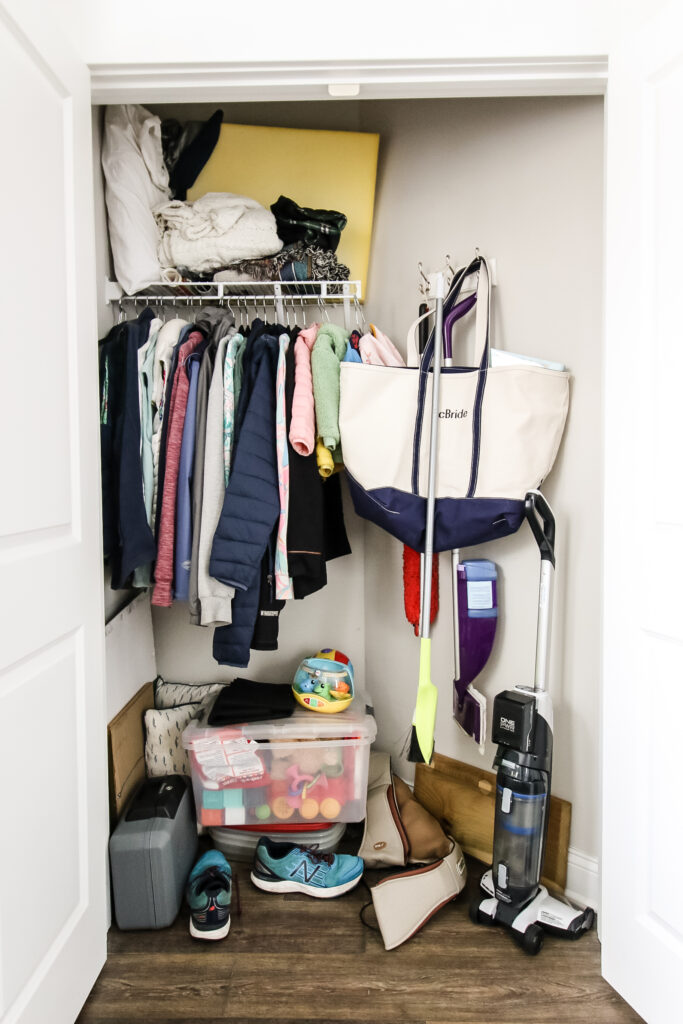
{"x": 209, "y": 893}
{"x": 284, "y": 867}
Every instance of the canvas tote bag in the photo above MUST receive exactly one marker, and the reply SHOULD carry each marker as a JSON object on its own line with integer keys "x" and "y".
{"x": 499, "y": 432}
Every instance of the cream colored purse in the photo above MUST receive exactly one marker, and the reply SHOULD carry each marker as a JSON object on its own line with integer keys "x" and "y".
{"x": 399, "y": 831}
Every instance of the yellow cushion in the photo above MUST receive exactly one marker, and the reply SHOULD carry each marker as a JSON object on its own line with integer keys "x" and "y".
{"x": 320, "y": 169}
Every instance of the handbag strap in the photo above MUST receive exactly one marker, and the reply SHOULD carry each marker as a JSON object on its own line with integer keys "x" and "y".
{"x": 482, "y": 354}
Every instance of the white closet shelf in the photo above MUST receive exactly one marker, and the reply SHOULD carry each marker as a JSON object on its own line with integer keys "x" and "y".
{"x": 280, "y": 293}
{"x": 164, "y": 291}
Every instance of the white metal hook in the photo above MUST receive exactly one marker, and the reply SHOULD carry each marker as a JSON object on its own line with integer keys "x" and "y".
{"x": 423, "y": 285}
{"x": 360, "y": 316}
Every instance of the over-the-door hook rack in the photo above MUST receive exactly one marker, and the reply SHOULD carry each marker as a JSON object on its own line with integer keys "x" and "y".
{"x": 426, "y": 281}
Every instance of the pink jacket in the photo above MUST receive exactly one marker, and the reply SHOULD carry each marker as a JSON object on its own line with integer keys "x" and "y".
{"x": 378, "y": 349}
{"x": 302, "y": 426}
{"x": 163, "y": 572}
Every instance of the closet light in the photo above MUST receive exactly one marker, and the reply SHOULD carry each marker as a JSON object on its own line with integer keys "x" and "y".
{"x": 344, "y": 89}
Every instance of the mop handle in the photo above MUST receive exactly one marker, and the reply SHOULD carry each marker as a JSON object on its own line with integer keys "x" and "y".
{"x": 425, "y": 617}
{"x": 542, "y": 522}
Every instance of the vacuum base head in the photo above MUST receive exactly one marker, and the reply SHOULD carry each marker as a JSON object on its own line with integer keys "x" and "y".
{"x": 527, "y": 923}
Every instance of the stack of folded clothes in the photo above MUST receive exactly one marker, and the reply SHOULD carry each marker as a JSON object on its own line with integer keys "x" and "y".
{"x": 246, "y": 700}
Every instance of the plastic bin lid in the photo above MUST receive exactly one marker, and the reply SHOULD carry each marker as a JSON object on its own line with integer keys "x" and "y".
{"x": 352, "y": 724}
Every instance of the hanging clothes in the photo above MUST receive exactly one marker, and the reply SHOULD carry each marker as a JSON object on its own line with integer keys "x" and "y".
{"x": 128, "y": 539}
{"x": 183, "y": 528}
{"x": 283, "y": 584}
{"x": 223, "y": 327}
{"x": 112, "y": 371}
{"x": 214, "y": 597}
{"x": 197, "y": 419}
{"x": 168, "y": 371}
{"x": 252, "y": 504}
{"x": 302, "y": 426}
{"x": 143, "y": 574}
{"x": 163, "y": 574}
{"x": 203, "y": 385}
{"x": 352, "y": 354}
{"x": 324, "y": 459}
{"x": 315, "y": 527}
{"x": 328, "y": 352}
{"x": 378, "y": 349}
{"x": 235, "y": 346}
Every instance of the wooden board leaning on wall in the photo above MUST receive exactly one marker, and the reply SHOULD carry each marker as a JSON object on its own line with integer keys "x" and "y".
{"x": 462, "y": 798}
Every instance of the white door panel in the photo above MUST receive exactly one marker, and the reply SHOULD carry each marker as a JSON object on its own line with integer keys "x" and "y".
{"x": 642, "y": 903}
{"x": 53, "y": 749}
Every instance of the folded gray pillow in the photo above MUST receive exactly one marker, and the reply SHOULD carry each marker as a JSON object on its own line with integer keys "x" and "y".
{"x": 171, "y": 695}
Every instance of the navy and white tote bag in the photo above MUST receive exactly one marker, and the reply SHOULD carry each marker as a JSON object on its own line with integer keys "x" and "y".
{"x": 500, "y": 428}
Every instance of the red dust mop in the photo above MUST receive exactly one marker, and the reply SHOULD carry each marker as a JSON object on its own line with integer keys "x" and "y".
{"x": 411, "y": 587}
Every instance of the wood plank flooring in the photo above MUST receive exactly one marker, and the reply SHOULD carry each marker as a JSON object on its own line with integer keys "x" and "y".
{"x": 296, "y": 959}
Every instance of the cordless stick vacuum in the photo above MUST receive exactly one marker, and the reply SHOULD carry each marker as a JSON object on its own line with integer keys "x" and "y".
{"x": 523, "y": 730}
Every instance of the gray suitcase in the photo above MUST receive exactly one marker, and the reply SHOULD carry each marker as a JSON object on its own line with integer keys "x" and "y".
{"x": 152, "y": 850}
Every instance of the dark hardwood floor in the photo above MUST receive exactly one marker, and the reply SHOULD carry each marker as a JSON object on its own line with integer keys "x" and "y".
{"x": 297, "y": 959}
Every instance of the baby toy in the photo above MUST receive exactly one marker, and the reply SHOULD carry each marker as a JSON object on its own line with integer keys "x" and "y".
{"x": 306, "y": 784}
{"x": 325, "y": 682}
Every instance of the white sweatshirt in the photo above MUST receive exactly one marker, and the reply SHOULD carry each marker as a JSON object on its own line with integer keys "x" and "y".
{"x": 215, "y": 598}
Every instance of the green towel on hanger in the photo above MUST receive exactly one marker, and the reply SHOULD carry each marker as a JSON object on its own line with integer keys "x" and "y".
{"x": 328, "y": 352}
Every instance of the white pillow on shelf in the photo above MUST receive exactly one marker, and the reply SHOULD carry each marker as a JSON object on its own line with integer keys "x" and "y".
{"x": 136, "y": 180}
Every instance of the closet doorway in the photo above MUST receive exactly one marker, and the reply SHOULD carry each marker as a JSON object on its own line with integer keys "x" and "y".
{"x": 52, "y": 659}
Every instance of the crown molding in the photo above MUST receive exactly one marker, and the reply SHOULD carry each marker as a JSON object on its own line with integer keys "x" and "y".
{"x": 324, "y": 80}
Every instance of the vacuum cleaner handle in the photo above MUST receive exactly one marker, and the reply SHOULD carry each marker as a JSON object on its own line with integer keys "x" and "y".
{"x": 542, "y": 522}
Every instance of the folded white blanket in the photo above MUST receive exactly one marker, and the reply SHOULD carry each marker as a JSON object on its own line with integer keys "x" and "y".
{"x": 218, "y": 229}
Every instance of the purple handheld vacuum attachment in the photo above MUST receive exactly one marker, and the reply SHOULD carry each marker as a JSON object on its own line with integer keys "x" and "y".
{"x": 476, "y": 607}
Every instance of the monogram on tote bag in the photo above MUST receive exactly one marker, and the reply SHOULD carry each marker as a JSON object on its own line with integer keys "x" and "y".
{"x": 499, "y": 430}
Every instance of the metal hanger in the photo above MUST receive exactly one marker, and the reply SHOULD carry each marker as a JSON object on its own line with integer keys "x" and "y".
{"x": 360, "y": 316}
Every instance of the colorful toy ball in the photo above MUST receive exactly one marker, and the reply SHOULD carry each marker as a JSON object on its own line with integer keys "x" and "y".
{"x": 329, "y": 652}
{"x": 324, "y": 683}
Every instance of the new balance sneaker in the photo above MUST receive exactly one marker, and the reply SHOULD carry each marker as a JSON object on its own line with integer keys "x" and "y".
{"x": 209, "y": 892}
{"x": 284, "y": 867}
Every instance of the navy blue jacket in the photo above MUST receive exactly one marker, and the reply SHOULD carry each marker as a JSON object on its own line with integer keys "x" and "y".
{"x": 251, "y": 506}
{"x": 128, "y": 539}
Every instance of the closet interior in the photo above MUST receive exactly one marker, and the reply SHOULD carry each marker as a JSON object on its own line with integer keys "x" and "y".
{"x": 520, "y": 179}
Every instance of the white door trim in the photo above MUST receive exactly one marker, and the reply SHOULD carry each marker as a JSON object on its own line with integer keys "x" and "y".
{"x": 321, "y": 80}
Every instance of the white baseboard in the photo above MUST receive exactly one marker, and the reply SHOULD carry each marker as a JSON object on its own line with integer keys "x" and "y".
{"x": 583, "y": 878}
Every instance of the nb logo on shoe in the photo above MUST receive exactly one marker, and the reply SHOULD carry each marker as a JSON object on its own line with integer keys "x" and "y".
{"x": 453, "y": 414}
{"x": 307, "y": 870}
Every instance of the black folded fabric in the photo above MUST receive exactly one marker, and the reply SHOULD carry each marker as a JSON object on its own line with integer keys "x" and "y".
{"x": 302, "y": 224}
{"x": 187, "y": 148}
{"x": 246, "y": 700}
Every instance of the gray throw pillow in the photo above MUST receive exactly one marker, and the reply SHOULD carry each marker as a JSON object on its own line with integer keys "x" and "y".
{"x": 172, "y": 695}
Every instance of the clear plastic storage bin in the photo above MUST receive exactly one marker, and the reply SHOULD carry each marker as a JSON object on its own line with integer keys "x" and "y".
{"x": 238, "y": 844}
{"x": 307, "y": 768}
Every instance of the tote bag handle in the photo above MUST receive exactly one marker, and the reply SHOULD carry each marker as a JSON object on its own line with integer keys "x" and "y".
{"x": 482, "y": 353}
{"x": 459, "y": 311}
